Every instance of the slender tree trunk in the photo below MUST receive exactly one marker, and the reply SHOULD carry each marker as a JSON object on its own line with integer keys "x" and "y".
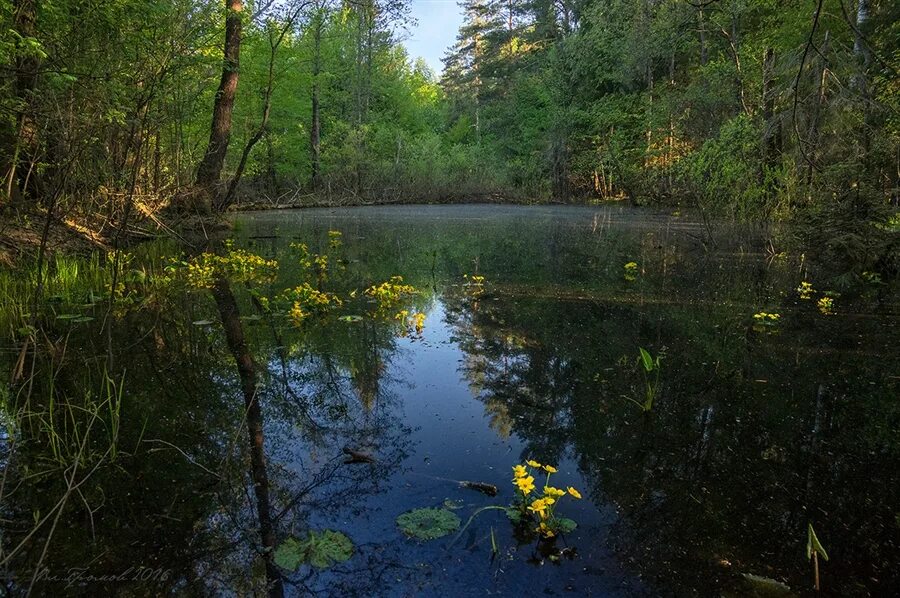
{"x": 813, "y": 137}
{"x": 703, "y": 52}
{"x": 210, "y": 169}
{"x": 773, "y": 129}
{"x": 315, "y": 131}
{"x": 19, "y": 144}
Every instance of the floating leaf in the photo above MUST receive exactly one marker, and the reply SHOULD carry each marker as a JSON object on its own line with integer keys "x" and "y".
{"x": 428, "y": 524}
{"x": 289, "y": 555}
{"x": 565, "y": 525}
{"x": 319, "y": 549}
{"x": 327, "y": 548}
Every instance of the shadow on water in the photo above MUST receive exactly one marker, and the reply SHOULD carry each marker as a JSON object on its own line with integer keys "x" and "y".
{"x": 229, "y": 427}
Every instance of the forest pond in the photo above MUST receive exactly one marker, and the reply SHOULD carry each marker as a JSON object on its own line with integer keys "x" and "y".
{"x": 774, "y": 406}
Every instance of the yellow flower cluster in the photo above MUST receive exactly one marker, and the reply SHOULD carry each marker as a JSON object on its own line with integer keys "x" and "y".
{"x": 805, "y": 290}
{"x": 237, "y": 265}
{"x": 631, "y": 271}
{"x": 308, "y": 300}
{"x": 766, "y": 317}
{"x": 826, "y": 305}
{"x": 334, "y": 239}
{"x": 543, "y": 506}
{"x": 388, "y": 294}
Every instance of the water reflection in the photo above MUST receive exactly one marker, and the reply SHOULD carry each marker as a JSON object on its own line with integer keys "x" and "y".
{"x": 238, "y": 423}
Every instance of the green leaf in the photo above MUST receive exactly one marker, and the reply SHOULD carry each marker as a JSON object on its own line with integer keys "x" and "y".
{"x": 813, "y": 545}
{"x": 328, "y": 548}
{"x": 646, "y": 359}
{"x": 565, "y": 525}
{"x": 289, "y": 555}
{"x": 319, "y": 549}
{"x": 428, "y": 524}
{"x": 350, "y": 318}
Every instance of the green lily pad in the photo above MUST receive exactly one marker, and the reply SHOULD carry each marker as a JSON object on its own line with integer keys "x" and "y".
{"x": 289, "y": 555}
{"x": 565, "y": 525}
{"x": 319, "y": 549}
{"x": 428, "y": 524}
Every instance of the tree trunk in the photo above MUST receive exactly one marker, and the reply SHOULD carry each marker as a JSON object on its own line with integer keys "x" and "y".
{"x": 19, "y": 144}
{"x": 210, "y": 169}
{"x": 315, "y": 131}
{"x": 772, "y": 139}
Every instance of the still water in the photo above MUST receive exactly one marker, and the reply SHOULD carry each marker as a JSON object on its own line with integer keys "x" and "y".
{"x": 758, "y": 427}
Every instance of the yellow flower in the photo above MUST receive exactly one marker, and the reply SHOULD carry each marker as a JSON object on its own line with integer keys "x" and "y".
{"x": 526, "y": 485}
{"x": 540, "y": 507}
{"x": 551, "y": 491}
{"x": 574, "y": 492}
{"x": 550, "y": 469}
{"x": 519, "y": 471}
{"x": 533, "y": 463}
{"x": 545, "y": 530}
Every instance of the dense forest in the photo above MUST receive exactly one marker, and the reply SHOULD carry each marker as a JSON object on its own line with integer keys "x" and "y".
{"x": 754, "y": 109}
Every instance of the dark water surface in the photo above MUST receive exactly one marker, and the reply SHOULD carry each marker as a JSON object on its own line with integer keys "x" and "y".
{"x": 755, "y": 433}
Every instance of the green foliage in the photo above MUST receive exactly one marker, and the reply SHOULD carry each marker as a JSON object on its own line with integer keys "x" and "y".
{"x": 319, "y": 549}
{"x": 428, "y": 524}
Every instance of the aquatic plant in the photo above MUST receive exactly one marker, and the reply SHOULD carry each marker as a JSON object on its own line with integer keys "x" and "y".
{"x": 765, "y": 321}
{"x": 651, "y": 369}
{"x": 306, "y": 300}
{"x": 319, "y": 549}
{"x": 805, "y": 290}
{"x": 428, "y": 524}
{"x": 814, "y": 548}
{"x": 238, "y": 265}
{"x": 871, "y": 277}
{"x": 631, "y": 271}
{"x": 334, "y": 239}
{"x": 540, "y": 509}
{"x": 389, "y": 294}
{"x": 826, "y": 302}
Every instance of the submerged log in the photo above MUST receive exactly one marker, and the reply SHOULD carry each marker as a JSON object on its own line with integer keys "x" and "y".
{"x": 356, "y": 456}
{"x": 482, "y": 487}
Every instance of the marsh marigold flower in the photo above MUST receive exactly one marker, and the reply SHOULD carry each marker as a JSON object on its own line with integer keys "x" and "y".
{"x": 533, "y": 463}
{"x": 519, "y": 471}
{"x": 526, "y": 484}
{"x": 551, "y": 491}
{"x": 573, "y": 492}
{"x": 550, "y": 469}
